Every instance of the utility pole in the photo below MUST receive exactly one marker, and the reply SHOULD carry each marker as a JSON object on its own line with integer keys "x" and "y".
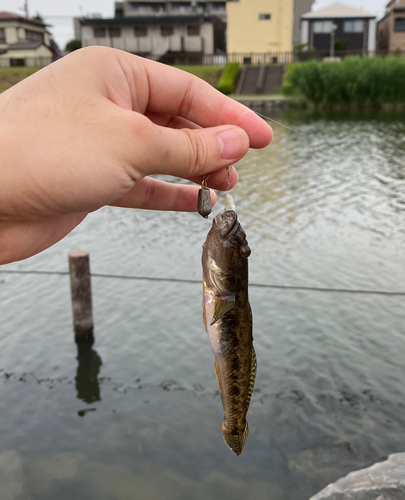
{"x": 26, "y": 8}
{"x": 332, "y": 39}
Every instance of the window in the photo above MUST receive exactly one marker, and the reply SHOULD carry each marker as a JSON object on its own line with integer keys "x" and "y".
{"x": 34, "y": 36}
{"x": 158, "y": 7}
{"x": 264, "y": 17}
{"x": 141, "y": 31}
{"x": 322, "y": 26}
{"x": 219, "y": 7}
{"x": 99, "y": 32}
{"x": 2, "y": 35}
{"x": 353, "y": 26}
{"x": 181, "y": 7}
{"x": 399, "y": 24}
{"x": 138, "y": 7}
{"x": 166, "y": 30}
{"x": 193, "y": 30}
{"x": 114, "y": 31}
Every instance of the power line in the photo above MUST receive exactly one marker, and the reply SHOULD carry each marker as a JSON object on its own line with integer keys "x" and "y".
{"x": 199, "y": 282}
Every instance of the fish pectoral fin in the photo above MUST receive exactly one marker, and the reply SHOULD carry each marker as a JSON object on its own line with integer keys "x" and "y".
{"x": 222, "y": 306}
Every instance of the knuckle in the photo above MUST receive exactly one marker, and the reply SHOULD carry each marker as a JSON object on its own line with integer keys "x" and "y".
{"x": 198, "y": 153}
{"x": 187, "y": 101}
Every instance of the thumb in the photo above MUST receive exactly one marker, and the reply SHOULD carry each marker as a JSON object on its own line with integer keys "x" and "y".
{"x": 188, "y": 152}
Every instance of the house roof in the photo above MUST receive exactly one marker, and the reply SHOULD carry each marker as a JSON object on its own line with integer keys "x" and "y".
{"x": 24, "y": 45}
{"x": 146, "y": 20}
{"x": 10, "y": 16}
{"x": 338, "y": 10}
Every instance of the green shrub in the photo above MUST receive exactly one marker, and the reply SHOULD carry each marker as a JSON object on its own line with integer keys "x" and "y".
{"x": 228, "y": 78}
{"x": 304, "y": 52}
{"x": 367, "y": 80}
{"x": 74, "y": 44}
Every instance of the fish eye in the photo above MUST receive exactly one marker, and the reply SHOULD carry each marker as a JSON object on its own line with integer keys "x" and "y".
{"x": 245, "y": 251}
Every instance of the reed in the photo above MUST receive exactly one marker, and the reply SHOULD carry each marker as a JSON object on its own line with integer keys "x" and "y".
{"x": 368, "y": 81}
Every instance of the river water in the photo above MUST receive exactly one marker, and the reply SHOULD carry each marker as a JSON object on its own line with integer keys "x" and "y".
{"x": 138, "y": 415}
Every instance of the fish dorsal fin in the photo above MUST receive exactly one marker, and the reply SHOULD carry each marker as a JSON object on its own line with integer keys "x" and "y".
{"x": 222, "y": 306}
{"x": 252, "y": 379}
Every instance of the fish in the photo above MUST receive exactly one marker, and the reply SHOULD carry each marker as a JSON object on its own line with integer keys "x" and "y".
{"x": 228, "y": 321}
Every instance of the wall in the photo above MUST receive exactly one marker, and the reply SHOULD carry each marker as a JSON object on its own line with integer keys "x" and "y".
{"x": 301, "y": 7}
{"x": 246, "y": 33}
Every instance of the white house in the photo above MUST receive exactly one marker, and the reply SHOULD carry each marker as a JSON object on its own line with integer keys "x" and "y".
{"x": 24, "y": 41}
{"x": 178, "y": 35}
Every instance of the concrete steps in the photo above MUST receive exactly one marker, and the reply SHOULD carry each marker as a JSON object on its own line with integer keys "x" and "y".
{"x": 260, "y": 80}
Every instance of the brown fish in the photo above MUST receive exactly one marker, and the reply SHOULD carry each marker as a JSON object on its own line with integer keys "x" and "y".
{"x": 228, "y": 321}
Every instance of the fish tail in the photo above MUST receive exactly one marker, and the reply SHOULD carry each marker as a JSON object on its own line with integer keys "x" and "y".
{"x": 235, "y": 440}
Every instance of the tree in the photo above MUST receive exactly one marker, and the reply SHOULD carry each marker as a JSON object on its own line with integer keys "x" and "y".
{"x": 38, "y": 17}
{"x": 73, "y": 45}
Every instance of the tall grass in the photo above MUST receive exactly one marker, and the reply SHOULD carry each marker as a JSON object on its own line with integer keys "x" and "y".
{"x": 364, "y": 81}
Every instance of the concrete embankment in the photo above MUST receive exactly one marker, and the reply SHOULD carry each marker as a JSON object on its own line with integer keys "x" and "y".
{"x": 382, "y": 481}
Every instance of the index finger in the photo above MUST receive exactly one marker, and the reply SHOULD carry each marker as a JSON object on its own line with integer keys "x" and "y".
{"x": 178, "y": 93}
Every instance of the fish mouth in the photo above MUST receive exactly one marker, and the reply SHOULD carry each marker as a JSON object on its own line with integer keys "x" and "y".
{"x": 226, "y": 223}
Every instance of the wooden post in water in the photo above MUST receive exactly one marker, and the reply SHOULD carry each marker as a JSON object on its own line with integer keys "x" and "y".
{"x": 80, "y": 286}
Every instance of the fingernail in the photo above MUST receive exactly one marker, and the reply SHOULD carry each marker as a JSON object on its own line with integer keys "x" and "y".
{"x": 234, "y": 143}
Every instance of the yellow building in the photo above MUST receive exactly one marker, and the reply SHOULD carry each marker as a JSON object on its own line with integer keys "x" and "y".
{"x": 260, "y": 26}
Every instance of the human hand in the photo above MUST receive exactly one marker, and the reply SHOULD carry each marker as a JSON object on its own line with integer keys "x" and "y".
{"x": 90, "y": 129}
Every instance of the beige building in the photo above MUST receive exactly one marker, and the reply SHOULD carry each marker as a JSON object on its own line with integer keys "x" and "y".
{"x": 260, "y": 26}
{"x": 23, "y": 41}
{"x": 151, "y": 35}
{"x": 391, "y": 28}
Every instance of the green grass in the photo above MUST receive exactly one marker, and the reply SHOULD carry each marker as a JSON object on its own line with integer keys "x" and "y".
{"x": 11, "y": 76}
{"x": 210, "y": 74}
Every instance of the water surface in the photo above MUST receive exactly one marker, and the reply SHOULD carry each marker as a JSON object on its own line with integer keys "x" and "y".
{"x": 138, "y": 415}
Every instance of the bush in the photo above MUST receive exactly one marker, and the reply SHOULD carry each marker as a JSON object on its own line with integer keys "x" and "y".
{"x": 368, "y": 81}
{"x": 228, "y": 78}
{"x": 304, "y": 52}
{"x": 74, "y": 44}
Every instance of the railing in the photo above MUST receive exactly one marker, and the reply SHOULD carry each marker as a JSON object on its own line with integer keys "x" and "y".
{"x": 13, "y": 62}
{"x": 198, "y": 58}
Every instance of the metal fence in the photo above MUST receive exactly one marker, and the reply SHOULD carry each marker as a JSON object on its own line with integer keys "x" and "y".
{"x": 258, "y": 59}
{"x": 15, "y": 62}
{"x": 245, "y": 58}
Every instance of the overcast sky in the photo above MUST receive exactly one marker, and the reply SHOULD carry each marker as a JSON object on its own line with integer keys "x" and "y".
{"x": 59, "y": 14}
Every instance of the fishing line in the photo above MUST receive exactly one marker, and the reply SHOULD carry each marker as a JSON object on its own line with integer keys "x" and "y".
{"x": 282, "y": 125}
{"x": 199, "y": 282}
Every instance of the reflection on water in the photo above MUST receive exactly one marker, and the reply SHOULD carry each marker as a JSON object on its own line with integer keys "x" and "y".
{"x": 329, "y": 396}
{"x": 88, "y": 368}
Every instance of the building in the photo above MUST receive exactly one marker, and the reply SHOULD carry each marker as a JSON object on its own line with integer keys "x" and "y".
{"x": 343, "y": 27}
{"x": 77, "y": 27}
{"x": 391, "y": 28}
{"x": 300, "y": 8}
{"x": 260, "y": 26}
{"x": 175, "y": 31}
{"x": 135, "y": 8}
{"x": 178, "y": 36}
{"x": 24, "y": 41}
